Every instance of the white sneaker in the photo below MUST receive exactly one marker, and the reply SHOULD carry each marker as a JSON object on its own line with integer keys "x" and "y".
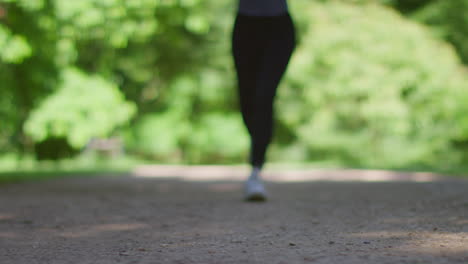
{"x": 254, "y": 190}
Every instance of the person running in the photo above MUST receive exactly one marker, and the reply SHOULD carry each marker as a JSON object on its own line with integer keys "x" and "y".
{"x": 263, "y": 41}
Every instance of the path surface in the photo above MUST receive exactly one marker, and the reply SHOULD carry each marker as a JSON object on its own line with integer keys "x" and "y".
{"x": 196, "y": 215}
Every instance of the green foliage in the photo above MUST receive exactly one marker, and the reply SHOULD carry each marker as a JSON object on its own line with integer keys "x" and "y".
{"x": 366, "y": 86}
{"x": 13, "y": 49}
{"x": 373, "y": 90}
{"x": 218, "y": 137}
{"x": 83, "y": 107}
{"x": 139, "y": 45}
{"x": 27, "y": 68}
{"x": 171, "y": 137}
{"x": 190, "y": 126}
{"x": 159, "y": 136}
{"x": 450, "y": 20}
{"x": 112, "y": 21}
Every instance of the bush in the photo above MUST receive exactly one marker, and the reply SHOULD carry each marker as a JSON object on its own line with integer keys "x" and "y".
{"x": 370, "y": 88}
{"x": 83, "y": 107}
{"x": 158, "y": 136}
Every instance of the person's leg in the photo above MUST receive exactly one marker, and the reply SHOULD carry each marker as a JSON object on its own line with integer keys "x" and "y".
{"x": 276, "y": 55}
{"x": 274, "y": 63}
{"x": 247, "y": 48}
{"x": 262, "y": 48}
{"x": 248, "y": 44}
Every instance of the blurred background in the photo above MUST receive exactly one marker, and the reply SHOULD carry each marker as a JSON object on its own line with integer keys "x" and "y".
{"x": 112, "y": 84}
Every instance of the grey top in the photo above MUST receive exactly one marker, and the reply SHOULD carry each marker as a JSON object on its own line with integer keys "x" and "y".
{"x": 263, "y": 7}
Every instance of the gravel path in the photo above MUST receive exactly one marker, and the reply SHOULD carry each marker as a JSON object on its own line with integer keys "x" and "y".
{"x": 196, "y": 215}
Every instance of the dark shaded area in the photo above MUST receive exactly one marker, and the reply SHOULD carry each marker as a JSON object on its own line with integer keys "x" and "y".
{"x": 408, "y": 6}
{"x": 54, "y": 149}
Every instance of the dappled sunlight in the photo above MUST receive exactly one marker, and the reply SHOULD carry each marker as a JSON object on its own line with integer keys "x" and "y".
{"x": 350, "y": 175}
{"x": 452, "y": 221}
{"x": 422, "y": 242}
{"x": 192, "y": 173}
{"x": 238, "y": 173}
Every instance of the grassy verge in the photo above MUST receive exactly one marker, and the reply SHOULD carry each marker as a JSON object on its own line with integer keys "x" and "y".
{"x": 22, "y": 176}
{"x": 30, "y": 170}
{"x": 27, "y": 169}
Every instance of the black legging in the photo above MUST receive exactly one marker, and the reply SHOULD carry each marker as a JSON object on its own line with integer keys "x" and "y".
{"x": 262, "y": 47}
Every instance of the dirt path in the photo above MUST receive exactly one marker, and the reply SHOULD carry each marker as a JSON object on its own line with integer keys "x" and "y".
{"x": 199, "y": 217}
